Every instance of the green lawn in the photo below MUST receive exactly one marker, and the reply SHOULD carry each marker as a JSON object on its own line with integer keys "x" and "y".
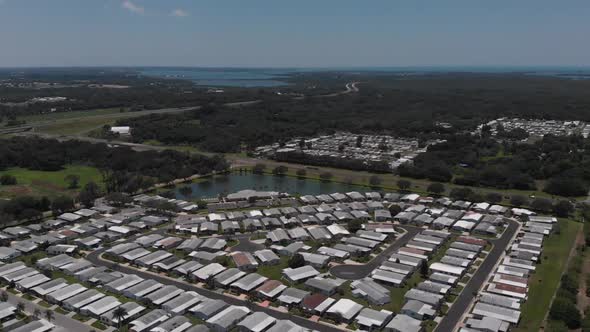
{"x": 274, "y": 271}
{"x": 75, "y": 126}
{"x": 544, "y": 282}
{"x": 99, "y": 325}
{"x": 69, "y": 115}
{"x": 44, "y": 183}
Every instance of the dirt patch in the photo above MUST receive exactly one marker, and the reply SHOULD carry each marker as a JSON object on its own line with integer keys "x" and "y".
{"x": 18, "y": 190}
{"x": 47, "y": 185}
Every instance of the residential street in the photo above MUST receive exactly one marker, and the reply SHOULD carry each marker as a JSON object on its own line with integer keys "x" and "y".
{"x": 94, "y": 257}
{"x": 355, "y": 272}
{"x": 63, "y": 323}
{"x": 463, "y": 301}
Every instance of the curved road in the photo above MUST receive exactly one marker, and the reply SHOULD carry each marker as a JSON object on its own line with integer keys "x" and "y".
{"x": 355, "y": 272}
{"x": 245, "y": 245}
{"x": 95, "y": 259}
{"x": 463, "y": 301}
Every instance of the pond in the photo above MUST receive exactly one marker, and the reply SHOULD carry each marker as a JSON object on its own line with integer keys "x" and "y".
{"x": 211, "y": 187}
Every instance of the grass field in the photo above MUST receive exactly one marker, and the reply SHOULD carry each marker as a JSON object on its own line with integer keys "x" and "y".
{"x": 70, "y": 115}
{"x": 43, "y": 183}
{"x": 545, "y": 281}
{"x": 76, "y": 126}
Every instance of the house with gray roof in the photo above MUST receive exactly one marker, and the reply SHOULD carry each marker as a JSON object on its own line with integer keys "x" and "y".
{"x": 164, "y": 294}
{"x": 418, "y": 310}
{"x": 187, "y": 268}
{"x": 49, "y": 286}
{"x": 278, "y": 235}
{"x": 382, "y": 215}
{"x": 208, "y": 308}
{"x": 167, "y": 264}
{"x": 96, "y": 309}
{"x": 180, "y": 304}
{"x": 325, "y": 286}
{"x": 333, "y": 253}
{"x": 368, "y": 289}
{"x": 267, "y": 257}
{"x": 153, "y": 258}
{"x": 257, "y": 322}
{"x": 357, "y": 241}
{"x": 208, "y": 271}
{"x": 142, "y": 289}
{"x": 248, "y": 283}
{"x": 227, "y": 318}
{"x": 300, "y": 274}
{"x": 32, "y": 281}
{"x": 175, "y": 323}
{"x": 227, "y": 277}
{"x": 404, "y": 323}
{"x": 344, "y": 310}
{"x": 213, "y": 244}
{"x": 316, "y": 260}
{"x": 426, "y": 297}
{"x": 132, "y": 309}
{"x": 370, "y": 235}
{"x": 119, "y": 285}
{"x": 292, "y": 296}
{"x": 65, "y": 293}
{"x": 148, "y": 320}
{"x": 370, "y": 320}
{"x": 76, "y": 302}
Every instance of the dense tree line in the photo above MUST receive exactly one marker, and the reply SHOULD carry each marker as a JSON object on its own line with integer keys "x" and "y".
{"x": 385, "y": 105}
{"x": 564, "y": 162}
{"x": 123, "y": 168}
{"x": 79, "y": 86}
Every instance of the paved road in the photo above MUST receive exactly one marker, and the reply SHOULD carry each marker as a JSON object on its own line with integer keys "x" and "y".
{"x": 66, "y": 323}
{"x": 245, "y": 244}
{"x": 94, "y": 257}
{"x": 463, "y": 302}
{"x": 355, "y": 272}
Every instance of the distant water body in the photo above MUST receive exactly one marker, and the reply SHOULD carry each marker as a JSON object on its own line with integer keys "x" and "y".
{"x": 274, "y": 77}
{"x": 219, "y": 77}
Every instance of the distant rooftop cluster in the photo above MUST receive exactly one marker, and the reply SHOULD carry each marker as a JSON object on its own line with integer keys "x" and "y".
{"x": 370, "y": 148}
{"x": 538, "y": 128}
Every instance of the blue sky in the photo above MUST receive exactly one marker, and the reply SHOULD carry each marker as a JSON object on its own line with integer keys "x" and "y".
{"x": 301, "y": 33}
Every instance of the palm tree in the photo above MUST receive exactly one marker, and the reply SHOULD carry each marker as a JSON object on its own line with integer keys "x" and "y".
{"x": 36, "y": 313}
{"x": 120, "y": 314}
{"x": 49, "y": 315}
{"x": 20, "y": 307}
{"x": 3, "y": 296}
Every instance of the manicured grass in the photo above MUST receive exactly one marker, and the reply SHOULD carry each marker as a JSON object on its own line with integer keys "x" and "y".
{"x": 59, "y": 310}
{"x": 76, "y": 126}
{"x": 99, "y": 325}
{"x": 80, "y": 318}
{"x": 31, "y": 258}
{"x": 544, "y": 282}
{"x": 44, "y": 304}
{"x": 46, "y": 183}
{"x": 70, "y": 115}
{"x": 274, "y": 271}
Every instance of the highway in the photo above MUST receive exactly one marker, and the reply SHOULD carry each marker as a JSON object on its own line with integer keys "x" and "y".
{"x": 355, "y": 272}
{"x": 463, "y": 302}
